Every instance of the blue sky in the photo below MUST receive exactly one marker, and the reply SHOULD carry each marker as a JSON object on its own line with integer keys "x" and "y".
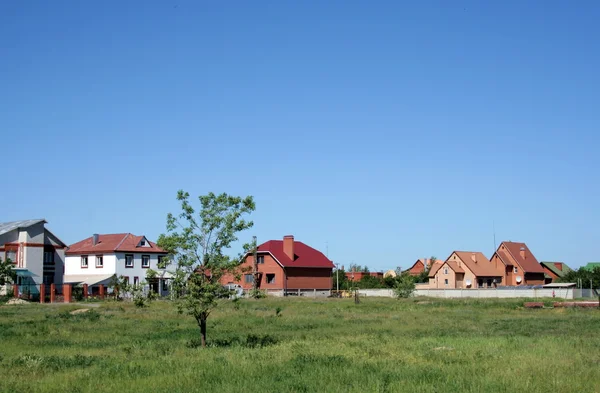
{"x": 388, "y": 131}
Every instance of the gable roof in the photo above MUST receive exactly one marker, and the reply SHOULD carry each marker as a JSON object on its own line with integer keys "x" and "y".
{"x": 6, "y": 227}
{"x": 454, "y": 266}
{"x": 305, "y": 256}
{"x": 117, "y": 242}
{"x": 529, "y": 263}
{"x": 481, "y": 266}
{"x": 436, "y": 266}
{"x": 555, "y": 269}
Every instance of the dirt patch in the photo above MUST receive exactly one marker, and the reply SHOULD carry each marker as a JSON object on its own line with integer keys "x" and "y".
{"x": 443, "y": 349}
{"x": 80, "y": 311}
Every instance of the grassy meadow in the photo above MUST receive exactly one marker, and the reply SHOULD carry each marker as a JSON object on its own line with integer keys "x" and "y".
{"x": 302, "y": 345}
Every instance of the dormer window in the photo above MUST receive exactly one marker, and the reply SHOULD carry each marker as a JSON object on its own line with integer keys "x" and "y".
{"x": 142, "y": 243}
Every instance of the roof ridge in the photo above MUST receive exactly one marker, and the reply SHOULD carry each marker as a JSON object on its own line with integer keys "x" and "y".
{"x": 122, "y": 240}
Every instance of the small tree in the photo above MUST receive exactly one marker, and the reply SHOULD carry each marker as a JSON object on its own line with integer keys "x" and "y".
{"x": 7, "y": 273}
{"x": 196, "y": 242}
{"x": 405, "y": 286}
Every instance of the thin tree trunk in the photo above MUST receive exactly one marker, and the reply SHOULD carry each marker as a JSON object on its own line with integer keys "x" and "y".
{"x": 203, "y": 330}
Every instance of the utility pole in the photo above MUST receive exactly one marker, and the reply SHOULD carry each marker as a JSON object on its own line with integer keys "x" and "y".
{"x": 255, "y": 275}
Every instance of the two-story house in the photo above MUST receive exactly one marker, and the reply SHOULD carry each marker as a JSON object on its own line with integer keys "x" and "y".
{"x": 518, "y": 265}
{"x": 286, "y": 266}
{"x": 95, "y": 260}
{"x": 464, "y": 269}
{"x": 37, "y": 254}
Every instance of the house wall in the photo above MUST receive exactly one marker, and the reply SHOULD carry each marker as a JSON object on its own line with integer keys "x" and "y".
{"x": 136, "y": 270}
{"x": 441, "y": 276}
{"x": 269, "y": 267}
{"x": 553, "y": 276}
{"x": 468, "y": 275}
{"x": 9, "y": 237}
{"x": 73, "y": 265}
{"x": 309, "y": 278}
{"x": 32, "y": 234}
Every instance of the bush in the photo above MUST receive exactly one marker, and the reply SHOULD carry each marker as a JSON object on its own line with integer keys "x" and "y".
{"x": 405, "y": 286}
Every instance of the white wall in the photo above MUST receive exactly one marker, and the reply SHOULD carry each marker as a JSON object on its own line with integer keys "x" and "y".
{"x": 32, "y": 234}
{"x": 73, "y": 265}
{"x": 563, "y": 293}
{"x": 137, "y": 270}
{"x": 34, "y": 262}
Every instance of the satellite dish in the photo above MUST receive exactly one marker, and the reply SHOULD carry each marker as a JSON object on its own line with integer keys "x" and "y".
{"x": 239, "y": 292}
{"x": 519, "y": 279}
{"x": 468, "y": 282}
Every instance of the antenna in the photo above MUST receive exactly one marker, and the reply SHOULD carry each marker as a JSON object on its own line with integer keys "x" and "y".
{"x": 494, "y": 228}
{"x": 327, "y": 249}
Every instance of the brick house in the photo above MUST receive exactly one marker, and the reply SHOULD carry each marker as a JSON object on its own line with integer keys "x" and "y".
{"x": 285, "y": 265}
{"x": 357, "y": 276}
{"x": 554, "y": 270}
{"x": 518, "y": 265}
{"x": 420, "y": 266}
{"x": 464, "y": 269}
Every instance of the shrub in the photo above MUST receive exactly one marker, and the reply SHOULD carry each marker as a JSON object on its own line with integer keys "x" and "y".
{"x": 405, "y": 286}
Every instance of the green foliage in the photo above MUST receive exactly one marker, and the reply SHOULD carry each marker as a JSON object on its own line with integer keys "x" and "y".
{"x": 340, "y": 274}
{"x": 197, "y": 242}
{"x": 369, "y": 282}
{"x": 7, "y": 273}
{"x": 584, "y": 275}
{"x": 119, "y": 286}
{"x": 405, "y": 286}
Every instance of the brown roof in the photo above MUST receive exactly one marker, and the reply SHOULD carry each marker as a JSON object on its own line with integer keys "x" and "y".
{"x": 454, "y": 266}
{"x": 529, "y": 263}
{"x": 481, "y": 266}
{"x": 436, "y": 266}
{"x": 117, "y": 242}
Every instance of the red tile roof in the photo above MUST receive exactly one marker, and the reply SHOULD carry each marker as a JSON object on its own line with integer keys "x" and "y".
{"x": 481, "y": 266}
{"x": 436, "y": 266}
{"x": 454, "y": 266}
{"x": 529, "y": 263}
{"x": 117, "y": 242}
{"x": 305, "y": 256}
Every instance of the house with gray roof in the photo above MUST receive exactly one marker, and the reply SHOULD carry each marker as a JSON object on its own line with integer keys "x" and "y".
{"x": 37, "y": 254}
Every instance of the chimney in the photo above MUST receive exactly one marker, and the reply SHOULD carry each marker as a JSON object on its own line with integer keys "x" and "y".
{"x": 288, "y": 246}
{"x": 473, "y": 257}
{"x": 522, "y": 252}
{"x": 343, "y": 268}
{"x": 94, "y": 239}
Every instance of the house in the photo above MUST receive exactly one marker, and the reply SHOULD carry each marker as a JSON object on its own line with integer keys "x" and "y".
{"x": 96, "y": 259}
{"x": 37, "y": 254}
{"x": 554, "y": 270}
{"x": 464, "y": 269}
{"x": 518, "y": 265}
{"x": 420, "y": 266}
{"x": 285, "y": 265}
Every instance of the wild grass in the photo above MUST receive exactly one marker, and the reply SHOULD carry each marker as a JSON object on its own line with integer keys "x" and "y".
{"x": 302, "y": 345}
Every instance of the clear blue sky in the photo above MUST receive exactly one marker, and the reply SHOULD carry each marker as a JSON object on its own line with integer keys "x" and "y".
{"x": 389, "y": 130}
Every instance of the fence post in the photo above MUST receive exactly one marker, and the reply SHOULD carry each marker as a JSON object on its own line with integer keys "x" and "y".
{"x": 298, "y": 292}
{"x": 42, "y": 293}
{"x": 101, "y": 292}
{"x": 315, "y": 293}
{"x": 52, "y": 293}
{"x": 67, "y": 293}
{"x": 85, "y": 291}
{"x": 15, "y": 290}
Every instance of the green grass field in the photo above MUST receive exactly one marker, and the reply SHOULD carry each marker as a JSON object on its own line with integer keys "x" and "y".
{"x": 329, "y": 345}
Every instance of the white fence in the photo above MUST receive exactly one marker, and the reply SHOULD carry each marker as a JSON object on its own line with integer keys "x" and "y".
{"x": 314, "y": 293}
{"x": 563, "y": 293}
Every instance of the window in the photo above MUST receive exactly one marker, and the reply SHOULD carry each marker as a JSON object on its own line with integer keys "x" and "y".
{"x": 145, "y": 261}
{"x": 84, "y": 261}
{"x": 515, "y": 270}
{"x": 49, "y": 256}
{"x": 270, "y": 278}
{"x": 260, "y": 259}
{"x": 126, "y": 279}
{"x": 446, "y": 281}
{"x": 248, "y": 278}
{"x": 161, "y": 261}
{"x": 136, "y": 281}
{"x": 165, "y": 285}
{"x": 480, "y": 283}
{"x": 143, "y": 243}
{"x": 445, "y": 270}
{"x": 99, "y": 261}
{"x": 12, "y": 255}
{"x": 48, "y": 278}
{"x": 128, "y": 260}
{"x": 489, "y": 283}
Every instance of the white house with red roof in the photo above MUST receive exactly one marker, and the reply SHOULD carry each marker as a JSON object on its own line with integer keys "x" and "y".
{"x": 95, "y": 260}
{"x": 286, "y": 267}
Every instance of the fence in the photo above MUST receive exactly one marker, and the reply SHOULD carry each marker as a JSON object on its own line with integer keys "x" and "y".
{"x": 586, "y": 293}
{"x": 314, "y": 293}
{"x": 491, "y": 293}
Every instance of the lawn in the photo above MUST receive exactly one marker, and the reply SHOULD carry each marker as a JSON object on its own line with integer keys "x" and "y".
{"x": 329, "y": 345}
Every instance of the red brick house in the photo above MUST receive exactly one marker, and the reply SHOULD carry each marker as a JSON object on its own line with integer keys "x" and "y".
{"x": 518, "y": 265}
{"x": 419, "y": 266}
{"x": 285, "y": 265}
{"x": 357, "y": 276}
